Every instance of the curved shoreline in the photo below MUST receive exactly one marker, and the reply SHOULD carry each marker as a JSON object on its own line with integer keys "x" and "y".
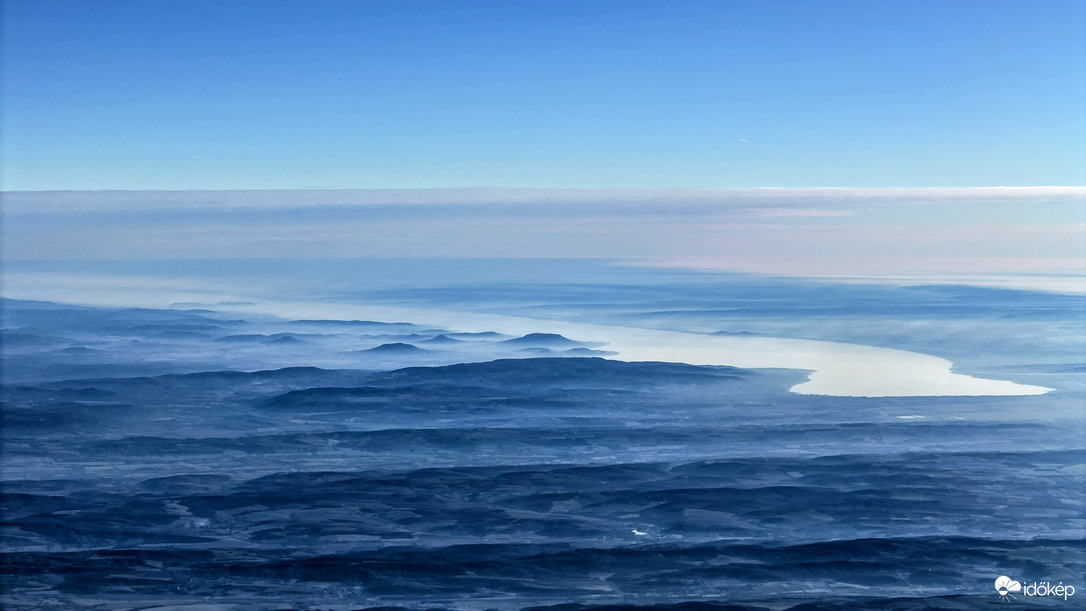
{"x": 837, "y": 369}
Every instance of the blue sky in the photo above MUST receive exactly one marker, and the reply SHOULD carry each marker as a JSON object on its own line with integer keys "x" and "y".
{"x": 230, "y": 95}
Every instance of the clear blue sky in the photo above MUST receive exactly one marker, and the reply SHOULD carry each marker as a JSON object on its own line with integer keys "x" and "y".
{"x": 180, "y": 94}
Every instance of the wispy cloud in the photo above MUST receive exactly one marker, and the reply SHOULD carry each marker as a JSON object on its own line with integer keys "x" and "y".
{"x": 18, "y": 202}
{"x": 771, "y": 213}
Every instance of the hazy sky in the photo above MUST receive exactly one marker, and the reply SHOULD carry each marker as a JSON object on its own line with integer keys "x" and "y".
{"x": 973, "y": 235}
{"x": 194, "y": 94}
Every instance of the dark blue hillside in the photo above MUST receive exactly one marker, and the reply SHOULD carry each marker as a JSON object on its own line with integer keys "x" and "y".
{"x": 145, "y": 464}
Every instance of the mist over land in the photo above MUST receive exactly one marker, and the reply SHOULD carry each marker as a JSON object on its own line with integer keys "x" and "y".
{"x": 466, "y": 434}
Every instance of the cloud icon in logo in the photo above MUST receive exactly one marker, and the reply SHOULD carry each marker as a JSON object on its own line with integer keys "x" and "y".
{"x": 1005, "y": 585}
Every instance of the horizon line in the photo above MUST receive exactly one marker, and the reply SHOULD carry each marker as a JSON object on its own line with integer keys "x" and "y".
{"x": 1081, "y": 188}
{"x": 750, "y": 198}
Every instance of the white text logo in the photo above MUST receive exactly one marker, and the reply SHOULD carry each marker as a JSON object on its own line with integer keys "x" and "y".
{"x": 1006, "y": 587}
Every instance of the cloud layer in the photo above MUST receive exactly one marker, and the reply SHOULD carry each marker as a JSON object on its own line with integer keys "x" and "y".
{"x": 17, "y": 202}
{"x": 866, "y": 233}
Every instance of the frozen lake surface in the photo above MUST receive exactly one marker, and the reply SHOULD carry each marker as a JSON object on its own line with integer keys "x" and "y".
{"x": 837, "y": 369}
